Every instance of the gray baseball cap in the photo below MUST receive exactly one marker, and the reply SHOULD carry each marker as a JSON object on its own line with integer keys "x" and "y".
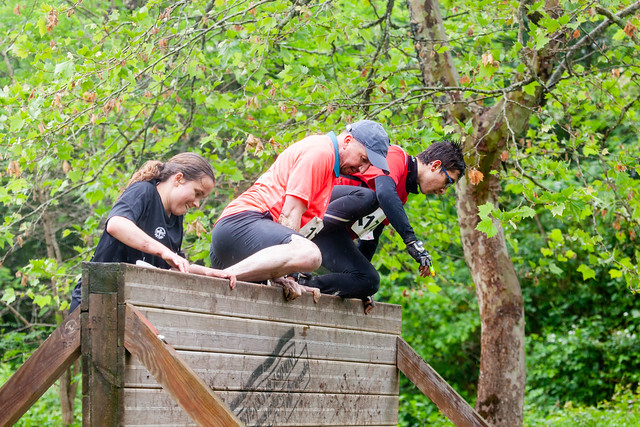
{"x": 374, "y": 138}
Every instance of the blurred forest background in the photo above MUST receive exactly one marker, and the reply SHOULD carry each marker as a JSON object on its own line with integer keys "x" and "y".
{"x": 544, "y": 96}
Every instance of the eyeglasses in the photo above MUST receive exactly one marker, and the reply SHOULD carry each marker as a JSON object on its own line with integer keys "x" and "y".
{"x": 448, "y": 177}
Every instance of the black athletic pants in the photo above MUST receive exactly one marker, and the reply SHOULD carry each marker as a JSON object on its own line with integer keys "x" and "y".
{"x": 352, "y": 275}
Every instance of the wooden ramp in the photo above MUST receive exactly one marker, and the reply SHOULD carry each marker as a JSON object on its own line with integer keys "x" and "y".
{"x": 165, "y": 348}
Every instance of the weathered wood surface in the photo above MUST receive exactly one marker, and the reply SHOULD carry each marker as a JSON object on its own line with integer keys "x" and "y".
{"x": 452, "y": 405}
{"x": 103, "y": 354}
{"x": 204, "y": 332}
{"x": 154, "y": 406}
{"x": 154, "y": 288}
{"x": 274, "y": 362}
{"x": 172, "y": 372}
{"x": 103, "y": 365}
{"x": 41, "y": 370}
{"x": 232, "y": 372}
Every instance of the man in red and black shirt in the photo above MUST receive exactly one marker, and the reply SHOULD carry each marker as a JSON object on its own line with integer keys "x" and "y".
{"x": 367, "y": 203}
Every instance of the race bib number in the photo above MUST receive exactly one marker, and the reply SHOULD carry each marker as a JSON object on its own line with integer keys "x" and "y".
{"x": 365, "y": 225}
{"x": 312, "y": 228}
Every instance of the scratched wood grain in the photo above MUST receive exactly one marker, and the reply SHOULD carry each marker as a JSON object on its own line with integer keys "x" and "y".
{"x": 153, "y": 407}
{"x": 274, "y": 362}
{"x": 175, "y": 375}
{"x": 188, "y": 292}
{"x": 205, "y": 332}
{"x": 232, "y": 372}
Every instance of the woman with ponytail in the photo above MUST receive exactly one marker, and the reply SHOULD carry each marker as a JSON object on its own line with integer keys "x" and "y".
{"x": 145, "y": 224}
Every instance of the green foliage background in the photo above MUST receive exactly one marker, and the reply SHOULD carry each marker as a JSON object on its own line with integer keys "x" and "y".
{"x": 89, "y": 91}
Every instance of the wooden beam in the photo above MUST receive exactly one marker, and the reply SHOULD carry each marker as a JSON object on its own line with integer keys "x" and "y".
{"x": 41, "y": 370}
{"x": 452, "y": 405}
{"x": 173, "y": 373}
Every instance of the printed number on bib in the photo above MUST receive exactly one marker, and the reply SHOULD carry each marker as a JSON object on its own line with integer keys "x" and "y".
{"x": 312, "y": 228}
{"x": 365, "y": 225}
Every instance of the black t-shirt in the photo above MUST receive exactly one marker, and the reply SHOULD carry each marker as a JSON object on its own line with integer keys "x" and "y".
{"x": 141, "y": 203}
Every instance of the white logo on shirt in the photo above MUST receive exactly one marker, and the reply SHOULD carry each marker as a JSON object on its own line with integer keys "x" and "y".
{"x": 160, "y": 233}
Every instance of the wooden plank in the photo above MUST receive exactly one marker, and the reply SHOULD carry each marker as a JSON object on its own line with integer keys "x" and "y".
{"x": 103, "y": 366}
{"x": 41, "y": 370}
{"x": 203, "y": 332}
{"x": 99, "y": 278}
{"x": 233, "y": 372}
{"x": 155, "y": 288}
{"x": 452, "y": 405}
{"x": 168, "y": 368}
{"x": 155, "y": 407}
{"x": 102, "y": 350}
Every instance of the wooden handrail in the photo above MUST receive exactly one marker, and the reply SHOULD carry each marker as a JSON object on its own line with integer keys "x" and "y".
{"x": 173, "y": 374}
{"x": 452, "y": 405}
{"x": 41, "y": 370}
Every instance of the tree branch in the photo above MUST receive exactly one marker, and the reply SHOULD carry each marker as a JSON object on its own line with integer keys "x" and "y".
{"x": 557, "y": 73}
{"x": 602, "y": 11}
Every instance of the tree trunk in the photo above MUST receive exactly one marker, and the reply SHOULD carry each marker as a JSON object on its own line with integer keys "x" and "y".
{"x": 502, "y": 377}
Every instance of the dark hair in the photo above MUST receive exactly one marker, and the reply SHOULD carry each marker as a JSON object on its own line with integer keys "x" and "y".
{"x": 193, "y": 167}
{"x": 448, "y": 152}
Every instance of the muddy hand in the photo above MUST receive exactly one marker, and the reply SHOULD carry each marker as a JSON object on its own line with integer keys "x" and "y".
{"x": 292, "y": 289}
{"x": 314, "y": 291}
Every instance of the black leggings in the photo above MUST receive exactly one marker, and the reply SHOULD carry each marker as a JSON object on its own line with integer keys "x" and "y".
{"x": 352, "y": 275}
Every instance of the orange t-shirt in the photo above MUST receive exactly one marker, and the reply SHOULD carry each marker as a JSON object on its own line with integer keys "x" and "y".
{"x": 303, "y": 170}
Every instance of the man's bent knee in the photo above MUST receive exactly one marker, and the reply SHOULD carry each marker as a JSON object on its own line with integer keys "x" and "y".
{"x": 307, "y": 254}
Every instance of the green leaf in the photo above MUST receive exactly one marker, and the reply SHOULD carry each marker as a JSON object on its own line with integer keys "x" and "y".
{"x": 486, "y": 226}
{"x": 42, "y": 300}
{"x": 587, "y": 272}
{"x": 433, "y": 288}
{"x": 485, "y": 210}
{"x": 9, "y": 295}
{"x": 42, "y": 26}
{"x": 557, "y": 209}
{"x": 64, "y": 70}
{"x": 556, "y": 235}
{"x": 615, "y": 273}
{"x": 530, "y": 89}
{"x": 16, "y": 122}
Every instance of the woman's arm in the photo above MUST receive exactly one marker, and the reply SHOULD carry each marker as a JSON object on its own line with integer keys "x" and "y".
{"x": 212, "y": 272}
{"x": 131, "y": 235}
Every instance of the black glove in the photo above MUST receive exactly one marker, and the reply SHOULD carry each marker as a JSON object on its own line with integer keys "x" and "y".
{"x": 417, "y": 251}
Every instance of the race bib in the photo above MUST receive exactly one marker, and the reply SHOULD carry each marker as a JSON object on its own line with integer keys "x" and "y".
{"x": 364, "y": 226}
{"x": 312, "y": 228}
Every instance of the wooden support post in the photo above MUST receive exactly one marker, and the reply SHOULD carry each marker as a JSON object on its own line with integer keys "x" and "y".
{"x": 173, "y": 373}
{"x": 452, "y": 405}
{"x": 102, "y": 319}
{"x": 41, "y": 370}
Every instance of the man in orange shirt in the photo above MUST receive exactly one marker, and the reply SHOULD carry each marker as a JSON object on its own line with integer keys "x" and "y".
{"x": 261, "y": 234}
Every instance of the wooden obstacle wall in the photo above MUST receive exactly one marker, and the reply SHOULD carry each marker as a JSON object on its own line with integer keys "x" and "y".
{"x": 271, "y": 361}
{"x": 167, "y": 349}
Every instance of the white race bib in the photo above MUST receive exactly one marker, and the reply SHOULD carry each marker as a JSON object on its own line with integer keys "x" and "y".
{"x": 368, "y": 223}
{"x": 312, "y": 228}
